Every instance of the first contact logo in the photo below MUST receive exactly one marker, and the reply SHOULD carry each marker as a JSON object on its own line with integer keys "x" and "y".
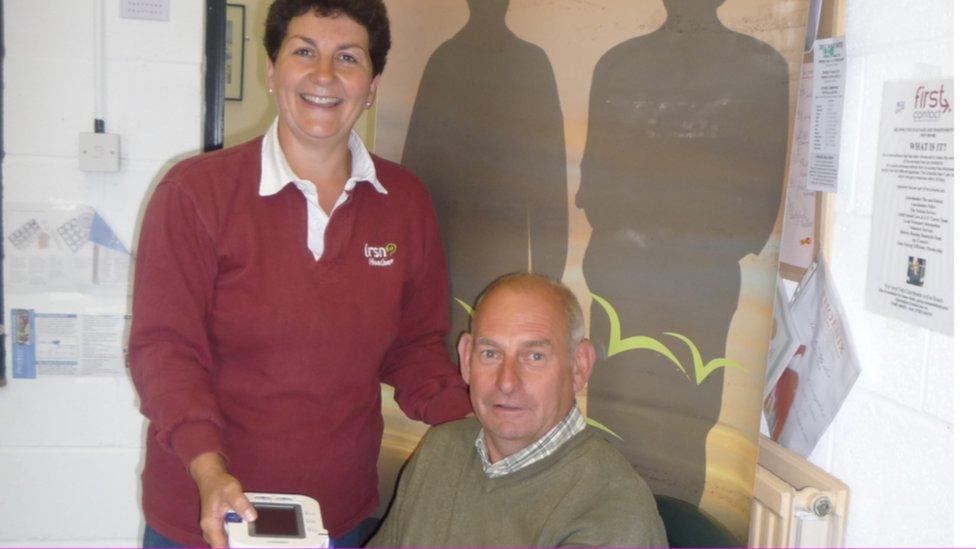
{"x": 380, "y": 256}
{"x": 931, "y": 104}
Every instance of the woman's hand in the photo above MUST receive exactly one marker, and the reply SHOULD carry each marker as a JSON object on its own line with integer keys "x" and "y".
{"x": 219, "y": 493}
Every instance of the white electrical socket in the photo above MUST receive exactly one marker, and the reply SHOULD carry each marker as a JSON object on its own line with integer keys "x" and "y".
{"x": 154, "y": 10}
{"x": 98, "y": 152}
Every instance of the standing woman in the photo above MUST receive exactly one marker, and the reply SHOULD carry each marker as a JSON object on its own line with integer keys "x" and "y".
{"x": 277, "y": 284}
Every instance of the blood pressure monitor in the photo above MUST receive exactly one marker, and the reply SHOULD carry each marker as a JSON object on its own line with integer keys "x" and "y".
{"x": 284, "y": 520}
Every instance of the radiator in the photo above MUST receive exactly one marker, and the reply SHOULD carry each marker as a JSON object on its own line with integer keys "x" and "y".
{"x": 796, "y": 504}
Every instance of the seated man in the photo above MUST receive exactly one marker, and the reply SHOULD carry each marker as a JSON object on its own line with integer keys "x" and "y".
{"x": 528, "y": 471}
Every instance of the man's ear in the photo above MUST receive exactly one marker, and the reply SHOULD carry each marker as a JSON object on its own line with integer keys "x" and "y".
{"x": 583, "y": 360}
{"x": 464, "y": 354}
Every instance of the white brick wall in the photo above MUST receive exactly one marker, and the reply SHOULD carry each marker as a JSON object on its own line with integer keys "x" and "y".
{"x": 71, "y": 448}
{"x": 892, "y": 441}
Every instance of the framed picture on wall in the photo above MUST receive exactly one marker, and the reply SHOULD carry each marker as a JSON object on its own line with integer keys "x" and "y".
{"x": 234, "y": 55}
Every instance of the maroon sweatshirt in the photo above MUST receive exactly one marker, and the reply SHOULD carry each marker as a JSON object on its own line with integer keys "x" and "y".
{"x": 244, "y": 344}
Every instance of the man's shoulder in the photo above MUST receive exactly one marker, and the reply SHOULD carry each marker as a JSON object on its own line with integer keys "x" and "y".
{"x": 458, "y": 431}
{"x": 597, "y": 447}
{"x": 603, "y": 463}
{"x": 610, "y": 497}
{"x": 453, "y": 436}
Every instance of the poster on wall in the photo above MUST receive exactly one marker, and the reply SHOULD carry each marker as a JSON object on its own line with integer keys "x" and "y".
{"x": 62, "y": 248}
{"x": 67, "y": 344}
{"x": 910, "y": 268}
{"x": 799, "y": 218}
{"x": 826, "y": 113}
{"x": 642, "y": 164}
{"x": 234, "y": 52}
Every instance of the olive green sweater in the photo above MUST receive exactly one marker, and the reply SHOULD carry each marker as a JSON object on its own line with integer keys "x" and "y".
{"x": 585, "y": 494}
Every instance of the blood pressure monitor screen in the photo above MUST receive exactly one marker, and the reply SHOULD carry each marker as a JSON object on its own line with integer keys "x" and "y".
{"x": 277, "y": 521}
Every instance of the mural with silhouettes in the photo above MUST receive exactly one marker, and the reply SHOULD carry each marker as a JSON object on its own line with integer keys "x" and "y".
{"x": 636, "y": 150}
{"x": 492, "y": 96}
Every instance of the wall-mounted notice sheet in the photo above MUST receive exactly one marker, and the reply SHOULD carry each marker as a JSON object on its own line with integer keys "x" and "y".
{"x": 827, "y": 113}
{"x": 797, "y": 244}
{"x": 910, "y": 263}
{"x": 62, "y": 248}
{"x": 67, "y": 344}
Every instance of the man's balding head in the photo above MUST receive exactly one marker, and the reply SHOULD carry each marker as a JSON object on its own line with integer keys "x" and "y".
{"x": 530, "y": 282}
{"x": 524, "y": 359}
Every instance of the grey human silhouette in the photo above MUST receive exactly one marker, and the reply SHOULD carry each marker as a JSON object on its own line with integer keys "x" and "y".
{"x": 486, "y": 136}
{"x": 681, "y": 179}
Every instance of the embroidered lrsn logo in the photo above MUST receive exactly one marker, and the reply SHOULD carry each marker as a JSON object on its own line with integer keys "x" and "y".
{"x": 380, "y": 256}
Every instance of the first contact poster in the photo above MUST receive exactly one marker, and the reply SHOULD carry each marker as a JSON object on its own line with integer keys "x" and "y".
{"x": 910, "y": 272}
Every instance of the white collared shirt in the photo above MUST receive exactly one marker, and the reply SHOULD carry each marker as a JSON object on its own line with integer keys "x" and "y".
{"x": 276, "y": 174}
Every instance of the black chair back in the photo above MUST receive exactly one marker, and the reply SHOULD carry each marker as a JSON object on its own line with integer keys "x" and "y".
{"x": 689, "y": 526}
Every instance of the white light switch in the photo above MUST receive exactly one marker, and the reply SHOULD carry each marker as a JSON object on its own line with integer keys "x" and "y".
{"x": 154, "y": 10}
{"x": 98, "y": 152}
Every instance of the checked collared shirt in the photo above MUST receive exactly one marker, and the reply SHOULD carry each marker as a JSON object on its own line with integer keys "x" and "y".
{"x": 572, "y": 424}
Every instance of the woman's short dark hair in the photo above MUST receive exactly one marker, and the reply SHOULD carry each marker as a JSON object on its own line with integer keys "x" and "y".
{"x": 368, "y": 13}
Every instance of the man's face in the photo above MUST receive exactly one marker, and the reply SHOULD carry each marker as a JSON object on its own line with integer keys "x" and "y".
{"x": 517, "y": 362}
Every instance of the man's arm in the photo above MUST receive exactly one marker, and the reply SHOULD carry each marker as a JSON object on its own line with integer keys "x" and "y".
{"x": 389, "y": 533}
{"x": 622, "y": 514}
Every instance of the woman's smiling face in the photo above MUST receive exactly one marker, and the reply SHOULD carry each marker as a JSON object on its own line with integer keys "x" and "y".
{"x": 321, "y": 79}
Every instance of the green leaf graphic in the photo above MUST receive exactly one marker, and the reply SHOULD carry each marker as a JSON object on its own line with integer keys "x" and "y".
{"x": 702, "y": 370}
{"x": 617, "y": 345}
{"x": 466, "y": 307}
{"x": 602, "y": 427}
